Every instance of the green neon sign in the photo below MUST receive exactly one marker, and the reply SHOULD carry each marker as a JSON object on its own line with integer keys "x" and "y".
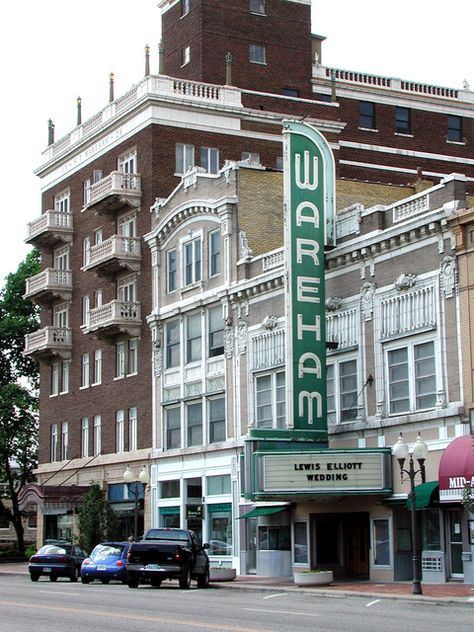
{"x": 309, "y": 175}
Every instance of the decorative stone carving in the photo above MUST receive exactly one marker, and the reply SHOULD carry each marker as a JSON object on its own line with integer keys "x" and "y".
{"x": 379, "y": 409}
{"x": 405, "y": 282}
{"x": 269, "y": 322}
{"x": 242, "y": 336}
{"x": 367, "y": 299}
{"x": 229, "y": 339}
{"x": 333, "y": 303}
{"x": 245, "y": 251}
{"x": 157, "y": 359}
{"x": 448, "y": 273}
{"x": 440, "y": 400}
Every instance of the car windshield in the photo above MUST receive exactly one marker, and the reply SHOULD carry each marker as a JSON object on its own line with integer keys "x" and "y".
{"x": 167, "y": 534}
{"x": 53, "y": 549}
{"x": 103, "y": 551}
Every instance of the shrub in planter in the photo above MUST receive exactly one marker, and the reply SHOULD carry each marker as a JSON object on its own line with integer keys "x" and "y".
{"x": 313, "y": 577}
{"x": 222, "y": 574}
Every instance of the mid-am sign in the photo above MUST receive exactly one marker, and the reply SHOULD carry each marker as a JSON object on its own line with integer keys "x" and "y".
{"x": 309, "y": 177}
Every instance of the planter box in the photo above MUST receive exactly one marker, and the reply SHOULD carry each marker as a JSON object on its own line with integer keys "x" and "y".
{"x": 222, "y": 574}
{"x": 323, "y": 578}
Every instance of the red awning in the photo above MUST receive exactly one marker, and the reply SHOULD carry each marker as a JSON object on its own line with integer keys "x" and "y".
{"x": 456, "y": 469}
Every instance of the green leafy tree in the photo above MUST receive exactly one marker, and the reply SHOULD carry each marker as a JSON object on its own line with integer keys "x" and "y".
{"x": 96, "y": 519}
{"x": 19, "y": 379}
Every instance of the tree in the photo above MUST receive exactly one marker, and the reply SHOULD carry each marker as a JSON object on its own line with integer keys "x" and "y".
{"x": 19, "y": 378}
{"x": 96, "y": 519}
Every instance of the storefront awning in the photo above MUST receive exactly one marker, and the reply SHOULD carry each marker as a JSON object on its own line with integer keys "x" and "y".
{"x": 426, "y": 495}
{"x": 263, "y": 511}
{"x": 456, "y": 469}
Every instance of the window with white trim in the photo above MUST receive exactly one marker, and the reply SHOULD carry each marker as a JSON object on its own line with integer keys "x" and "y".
{"x": 120, "y": 431}
{"x": 172, "y": 344}
{"x": 252, "y": 157}
{"x": 98, "y": 366}
{"x": 132, "y": 428}
{"x": 60, "y": 377}
{"x": 86, "y": 306}
{"x": 62, "y": 202}
{"x": 61, "y": 315}
{"x": 171, "y": 270}
{"x": 98, "y": 236}
{"x": 55, "y": 378}
{"x": 411, "y": 372}
{"x": 86, "y": 251}
{"x": 127, "y": 163}
{"x": 126, "y": 357}
{"x": 98, "y": 294}
{"x": 64, "y": 440}
{"x": 53, "y": 443}
{"x": 186, "y": 55}
{"x": 127, "y": 225}
{"x": 210, "y": 159}
{"x": 61, "y": 258}
{"x": 194, "y": 424}
{"x": 127, "y": 288}
{"x": 184, "y": 158}
{"x": 257, "y": 54}
{"x": 172, "y": 428}
{"x": 193, "y": 338}
{"x": 85, "y": 437}
{"x": 257, "y": 7}
{"x": 215, "y": 332}
{"x": 85, "y": 369}
{"x": 342, "y": 390}
{"x": 381, "y": 542}
{"x": 192, "y": 261}
{"x": 214, "y": 238}
{"x": 86, "y": 186}
{"x": 270, "y": 400}
{"x": 97, "y": 434}
{"x": 216, "y": 414}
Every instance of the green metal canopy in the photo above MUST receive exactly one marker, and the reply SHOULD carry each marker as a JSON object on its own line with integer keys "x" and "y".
{"x": 263, "y": 511}
{"x": 426, "y": 495}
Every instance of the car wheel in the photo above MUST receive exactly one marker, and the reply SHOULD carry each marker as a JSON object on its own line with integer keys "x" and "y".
{"x": 203, "y": 580}
{"x": 156, "y": 583}
{"x": 86, "y": 580}
{"x": 75, "y": 576}
{"x": 105, "y": 581}
{"x": 132, "y": 581}
{"x": 52, "y": 578}
{"x": 34, "y": 577}
{"x": 185, "y": 579}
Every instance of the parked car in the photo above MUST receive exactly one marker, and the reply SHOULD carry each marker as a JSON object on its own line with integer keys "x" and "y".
{"x": 107, "y": 561}
{"x": 57, "y": 560}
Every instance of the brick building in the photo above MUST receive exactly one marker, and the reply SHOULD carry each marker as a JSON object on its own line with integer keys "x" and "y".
{"x": 164, "y": 144}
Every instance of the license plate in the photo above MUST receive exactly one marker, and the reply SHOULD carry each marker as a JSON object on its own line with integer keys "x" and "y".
{"x": 102, "y": 567}
{"x": 153, "y": 567}
{"x": 46, "y": 569}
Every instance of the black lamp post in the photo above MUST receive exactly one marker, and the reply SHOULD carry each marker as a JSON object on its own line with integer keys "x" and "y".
{"x": 420, "y": 452}
{"x": 133, "y": 486}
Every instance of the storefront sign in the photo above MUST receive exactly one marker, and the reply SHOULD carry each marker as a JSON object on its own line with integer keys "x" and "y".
{"x": 194, "y": 511}
{"x": 325, "y": 472}
{"x": 309, "y": 226}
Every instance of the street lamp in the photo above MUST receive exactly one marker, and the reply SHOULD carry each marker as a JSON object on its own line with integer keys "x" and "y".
{"x": 129, "y": 478}
{"x": 401, "y": 452}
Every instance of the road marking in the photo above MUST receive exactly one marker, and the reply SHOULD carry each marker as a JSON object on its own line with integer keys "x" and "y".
{"x": 273, "y": 596}
{"x": 291, "y": 612}
{"x": 372, "y": 603}
{"x": 63, "y": 594}
{"x": 133, "y": 616}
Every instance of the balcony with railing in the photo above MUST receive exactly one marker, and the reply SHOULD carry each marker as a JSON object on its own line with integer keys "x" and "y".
{"x": 114, "y": 255}
{"x": 51, "y": 229}
{"x": 49, "y": 285}
{"x": 114, "y": 318}
{"x": 49, "y": 342}
{"x": 115, "y": 191}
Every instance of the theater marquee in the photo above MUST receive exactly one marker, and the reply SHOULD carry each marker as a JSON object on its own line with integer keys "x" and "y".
{"x": 324, "y": 472}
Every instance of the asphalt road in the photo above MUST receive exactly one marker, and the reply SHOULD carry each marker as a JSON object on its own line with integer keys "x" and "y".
{"x": 64, "y": 606}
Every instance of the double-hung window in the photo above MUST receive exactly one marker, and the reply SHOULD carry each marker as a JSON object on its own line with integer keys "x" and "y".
{"x": 214, "y": 252}
{"x": 132, "y": 428}
{"x": 210, "y": 159}
{"x": 342, "y": 392}
{"x": 172, "y": 344}
{"x": 60, "y": 377}
{"x": 455, "y": 131}
{"x": 120, "y": 431}
{"x": 127, "y": 163}
{"x": 194, "y": 424}
{"x": 192, "y": 261}
{"x": 61, "y": 258}
{"x": 84, "y": 437}
{"x": 97, "y": 434}
{"x": 126, "y": 288}
{"x": 98, "y": 366}
{"x": 85, "y": 368}
{"x": 257, "y": 54}
{"x": 172, "y": 428}
{"x": 402, "y": 120}
{"x": 61, "y": 316}
{"x": 184, "y": 158}
{"x": 171, "y": 270}
{"x": 193, "y": 338}
{"x": 411, "y": 377}
{"x": 367, "y": 114}
{"x": 216, "y": 332}
{"x": 126, "y": 357}
{"x": 270, "y": 400}
{"x": 64, "y": 440}
{"x": 216, "y": 408}
{"x": 53, "y": 443}
{"x": 257, "y": 6}
{"x": 62, "y": 202}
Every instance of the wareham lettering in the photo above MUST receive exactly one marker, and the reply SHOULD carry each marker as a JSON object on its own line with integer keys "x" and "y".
{"x": 307, "y": 181}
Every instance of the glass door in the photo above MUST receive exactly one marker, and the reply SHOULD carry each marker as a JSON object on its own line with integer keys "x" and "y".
{"x": 455, "y": 544}
{"x": 251, "y": 546}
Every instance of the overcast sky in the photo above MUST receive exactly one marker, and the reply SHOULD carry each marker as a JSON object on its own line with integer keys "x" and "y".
{"x": 53, "y": 51}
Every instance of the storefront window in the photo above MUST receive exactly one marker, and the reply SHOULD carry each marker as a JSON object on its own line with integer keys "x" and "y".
{"x": 274, "y": 538}
{"x": 381, "y": 543}
{"x": 300, "y": 535}
{"x": 220, "y": 529}
{"x": 218, "y": 485}
{"x": 170, "y": 489}
{"x": 169, "y": 517}
{"x": 65, "y": 526}
{"x": 430, "y": 532}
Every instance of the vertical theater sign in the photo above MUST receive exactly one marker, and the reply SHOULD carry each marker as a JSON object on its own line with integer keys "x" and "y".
{"x": 309, "y": 227}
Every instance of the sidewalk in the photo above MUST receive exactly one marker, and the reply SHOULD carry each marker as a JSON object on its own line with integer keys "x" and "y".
{"x": 451, "y": 592}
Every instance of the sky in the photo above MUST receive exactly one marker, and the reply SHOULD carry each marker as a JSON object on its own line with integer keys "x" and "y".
{"x": 53, "y": 51}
